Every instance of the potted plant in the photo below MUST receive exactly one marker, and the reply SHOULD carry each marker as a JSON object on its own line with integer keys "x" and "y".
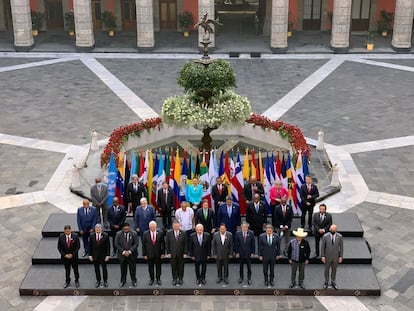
{"x": 186, "y": 21}
{"x": 384, "y": 24}
{"x": 291, "y": 23}
{"x": 108, "y": 19}
{"x": 70, "y": 22}
{"x": 370, "y": 40}
{"x": 37, "y": 22}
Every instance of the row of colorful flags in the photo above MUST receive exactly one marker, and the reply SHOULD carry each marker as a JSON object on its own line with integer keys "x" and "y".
{"x": 153, "y": 168}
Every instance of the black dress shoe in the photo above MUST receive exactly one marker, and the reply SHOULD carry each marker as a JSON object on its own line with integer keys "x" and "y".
{"x": 226, "y": 281}
{"x": 334, "y": 285}
{"x": 302, "y": 286}
{"x": 97, "y": 284}
{"x": 159, "y": 282}
{"x": 266, "y": 283}
{"x": 249, "y": 282}
{"x": 272, "y": 283}
{"x": 66, "y": 285}
{"x": 77, "y": 284}
{"x": 113, "y": 254}
{"x": 134, "y": 284}
{"x": 122, "y": 284}
{"x": 218, "y": 281}
{"x": 198, "y": 282}
{"x": 150, "y": 282}
{"x": 325, "y": 285}
{"x": 292, "y": 285}
{"x": 203, "y": 281}
{"x": 106, "y": 284}
{"x": 174, "y": 282}
{"x": 240, "y": 281}
{"x": 180, "y": 282}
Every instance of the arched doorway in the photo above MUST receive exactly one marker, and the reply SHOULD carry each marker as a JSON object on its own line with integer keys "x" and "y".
{"x": 360, "y": 15}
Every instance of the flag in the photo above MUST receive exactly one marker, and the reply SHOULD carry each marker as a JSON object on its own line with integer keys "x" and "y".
{"x": 253, "y": 166}
{"x": 212, "y": 173}
{"x": 267, "y": 185}
{"x": 154, "y": 186}
{"x": 246, "y": 166}
{"x": 190, "y": 170}
{"x": 141, "y": 167}
{"x": 127, "y": 176}
{"x": 204, "y": 178}
{"x": 177, "y": 178}
{"x": 183, "y": 178}
{"x": 119, "y": 189}
{"x": 261, "y": 171}
{"x": 161, "y": 171}
{"x": 237, "y": 182}
{"x": 272, "y": 169}
{"x": 221, "y": 165}
{"x": 121, "y": 164}
{"x": 278, "y": 167}
{"x": 133, "y": 165}
{"x": 305, "y": 165}
{"x": 170, "y": 172}
{"x": 283, "y": 173}
{"x": 197, "y": 171}
{"x": 111, "y": 179}
{"x": 145, "y": 174}
{"x": 150, "y": 173}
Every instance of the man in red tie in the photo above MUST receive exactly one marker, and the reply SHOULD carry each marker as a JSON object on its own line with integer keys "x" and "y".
{"x": 153, "y": 251}
{"x": 308, "y": 195}
{"x": 68, "y": 247}
{"x": 99, "y": 250}
{"x": 176, "y": 247}
{"x": 219, "y": 193}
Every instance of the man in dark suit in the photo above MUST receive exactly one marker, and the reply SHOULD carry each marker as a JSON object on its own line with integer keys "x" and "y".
{"x": 116, "y": 217}
{"x": 99, "y": 250}
{"x": 222, "y": 250}
{"x": 86, "y": 218}
{"x": 322, "y": 221}
{"x": 135, "y": 191}
{"x": 176, "y": 247}
{"x": 68, "y": 247}
{"x": 153, "y": 251}
{"x": 298, "y": 256}
{"x": 126, "y": 242}
{"x": 229, "y": 214}
{"x": 269, "y": 252}
{"x": 256, "y": 215}
{"x": 245, "y": 244}
{"x": 251, "y": 188}
{"x": 143, "y": 215}
{"x": 283, "y": 217}
{"x": 165, "y": 202}
{"x": 200, "y": 250}
{"x": 99, "y": 197}
{"x": 219, "y": 192}
{"x": 308, "y": 194}
{"x": 206, "y": 217}
{"x": 332, "y": 252}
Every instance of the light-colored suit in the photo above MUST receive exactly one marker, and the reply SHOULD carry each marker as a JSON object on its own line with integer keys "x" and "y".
{"x": 331, "y": 252}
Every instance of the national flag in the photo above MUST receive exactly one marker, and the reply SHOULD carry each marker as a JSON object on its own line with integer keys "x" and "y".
{"x": 300, "y": 178}
{"x": 190, "y": 174}
{"x": 127, "y": 176}
{"x": 253, "y": 166}
{"x": 278, "y": 167}
{"x": 212, "y": 173}
{"x": 111, "y": 179}
{"x": 167, "y": 166}
{"x": 141, "y": 170}
{"x": 183, "y": 178}
{"x": 154, "y": 183}
{"x": 197, "y": 171}
{"x": 261, "y": 171}
{"x": 272, "y": 169}
{"x": 267, "y": 185}
{"x": 204, "y": 178}
{"x": 283, "y": 173}
{"x": 237, "y": 182}
{"x": 161, "y": 171}
{"x": 176, "y": 179}
{"x": 150, "y": 173}
{"x": 145, "y": 175}
{"x": 119, "y": 189}
{"x": 121, "y": 164}
{"x": 246, "y": 166}
{"x": 305, "y": 165}
{"x": 133, "y": 165}
{"x": 221, "y": 165}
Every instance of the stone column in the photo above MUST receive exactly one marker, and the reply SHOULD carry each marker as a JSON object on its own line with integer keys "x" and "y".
{"x": 403, "y": 25}
{"x": 341, "y": 24}
{"x": 206, "y": 6}
{"x": 22, "y": 25}
{"x": 279, "y": 26}
{"x": 85, "y": 39}
{"x": 145, "y": 24}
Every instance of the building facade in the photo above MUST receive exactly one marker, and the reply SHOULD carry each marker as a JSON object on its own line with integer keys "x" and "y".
{"x": 147, "y": 17}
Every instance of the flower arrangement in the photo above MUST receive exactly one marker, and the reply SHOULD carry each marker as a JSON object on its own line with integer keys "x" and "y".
{"x": 120, "y": 135}
{"x": 225, "y": 108}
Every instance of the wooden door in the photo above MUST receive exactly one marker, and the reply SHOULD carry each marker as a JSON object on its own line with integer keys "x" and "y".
{"x": 96, "y": 14}
{"x": 312, "y": 14}
{"x": 360, "y": 15}
{"x": 168, "y": 14}
{"x": 54, "y": 14}
{"x": 129, "y": 15}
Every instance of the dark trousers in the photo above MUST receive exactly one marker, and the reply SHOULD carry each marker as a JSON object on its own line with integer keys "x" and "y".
{"x": 223, "y": 264}
{"x": 85, "y": 239}
{"x": 166, "y": 218}
{"x": 177, "y": 267}
{"x": 154, "y": 264}
{"x": 269, "y": 263}
{"x": 71, "y": 263}
{"x": 309, "y": 210}
{"x": 296, "y": 265}
{"x": 317, "y": 243}
{"x": 246, "y": 261}
{"x": 112, "y": 233}
{"x": 200, "y": 269}
{"x": 273, "y": 212}
{"x": 131, "y": 263}
{"x": 97, "y": 263}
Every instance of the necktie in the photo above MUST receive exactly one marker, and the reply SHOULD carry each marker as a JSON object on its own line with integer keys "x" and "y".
{"x": 322, "y": 217}
{"x": 126, "y": 242}
{"x": 205, "y": 214}
{"x": 244, "y": 237}
{"x": 223, "y": 239}
{"x": 98, "y": 238}
{"x": 99, "y": 189}
{"x": 166, "y": 196}
{"x": 284, "y": 211}
{"x": 219, "y": 189}
{"x": 252, "y": 191}
{"x": 257, "y": 207}
{"x": 333, "y": 240}
{"x": 269, "y": 240}
{"x": 68, "y": 241}
{"x": 176, "y": 236}
{"x": 135, "y": 187}
{"x": 200, "y": 240}
{"x": 229, "y": 211}
{"x": 309, "y": 188}
{"x": 153, "y": 238}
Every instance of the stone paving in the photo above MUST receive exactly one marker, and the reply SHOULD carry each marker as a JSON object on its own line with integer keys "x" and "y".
{"x": 351, "y": 105}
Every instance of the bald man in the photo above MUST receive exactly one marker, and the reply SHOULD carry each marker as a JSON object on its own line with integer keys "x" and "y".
{"x": 87, "y": 218}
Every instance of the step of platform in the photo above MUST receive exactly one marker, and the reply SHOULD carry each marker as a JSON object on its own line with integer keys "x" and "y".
{"x": 353, "y": 280}
{"x": 348, "y": 224}
{"x": 356, "y": 252}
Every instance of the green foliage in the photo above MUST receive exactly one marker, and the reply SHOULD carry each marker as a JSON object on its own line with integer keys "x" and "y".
{"x": 372, "y": 35}
{"x": 186, "y": 20}
{"x": 37, "y": 19}
{"x": 384, "y": 24}
{"x": 70, "y": 20}
{"x": 108, "y": 20}
{"x": 218, "y": 76}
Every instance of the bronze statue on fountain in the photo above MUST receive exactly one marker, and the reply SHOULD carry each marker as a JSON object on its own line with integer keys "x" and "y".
{"x": 206, "y": 23}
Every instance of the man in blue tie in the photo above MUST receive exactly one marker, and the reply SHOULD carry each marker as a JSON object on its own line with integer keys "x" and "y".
{"x": 87, "y": 218}
{"x": 269, "y": 252}
{"x": 229, "y": 214}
